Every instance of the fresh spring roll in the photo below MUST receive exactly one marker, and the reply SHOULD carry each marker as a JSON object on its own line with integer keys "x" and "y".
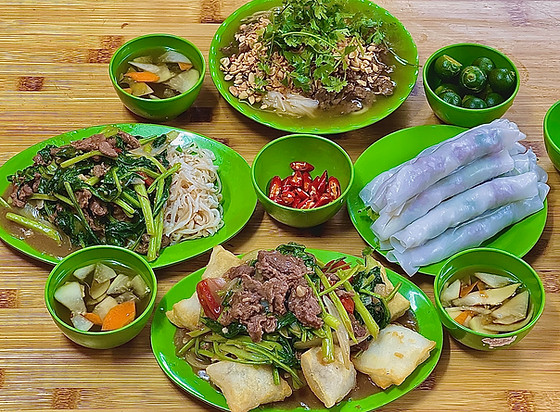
{"x": 469, "y": 234}
{"x": 424, "y": 170}
{"x": 464, "y": 207}
{"x": 527, "y": 162}
{"x": 468, "y": 176}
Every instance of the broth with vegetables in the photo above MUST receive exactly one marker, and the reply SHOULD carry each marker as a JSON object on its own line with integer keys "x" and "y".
{"x": 487, "y": 302}
{"x": 102, "y": 296}
{"x": 158, "y": 74}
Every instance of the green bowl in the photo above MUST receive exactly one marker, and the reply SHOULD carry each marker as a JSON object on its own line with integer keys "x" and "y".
{"x": 496, "y": 261}
{"x": 551, "y": 126}
{"x": 274, "y": 160}
{"x": 83, "y": 257}
{"x": 162, "y": 109}
{"x": 405, "y": 75}
{"x": 465, "y": 53}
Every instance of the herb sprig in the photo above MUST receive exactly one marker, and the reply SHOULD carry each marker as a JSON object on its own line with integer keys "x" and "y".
{"x": 315, "y": 36}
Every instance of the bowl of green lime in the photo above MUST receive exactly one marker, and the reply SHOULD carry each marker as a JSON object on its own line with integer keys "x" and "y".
{"x": 468, "y": 84}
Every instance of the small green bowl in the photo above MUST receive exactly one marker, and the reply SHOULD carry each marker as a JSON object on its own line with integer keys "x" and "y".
{"x": 465, "y": 53}
{"x": 83, "y": 257}
{"x": 274, "y": 160}
{"x": 551, "y": 126}
{"x": 162, "y": 109}
{"x": 493, "y": 261}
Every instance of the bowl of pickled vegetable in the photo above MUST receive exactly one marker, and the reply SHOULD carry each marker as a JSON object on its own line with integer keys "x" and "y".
{"x": 488, "y": 299}
{"x": 302, "y": 180}
{"x": 101, "y": 296}
{"x": 157, "y": 76}
{"x": 469, "y": 84}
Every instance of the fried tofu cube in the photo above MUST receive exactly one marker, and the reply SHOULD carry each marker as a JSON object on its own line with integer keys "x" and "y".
{"x": 399, "y": 304}
{"x": 394, "y": 355}
{"x": 220, "y": 262}
{"x": 186, "y": 313}
{"x": 247, "y": 386}
{"x": 330, "y": 382}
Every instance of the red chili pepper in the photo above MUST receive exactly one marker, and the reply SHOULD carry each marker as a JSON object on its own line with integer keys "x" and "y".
{"x": 323, "y": 200}
{"x": 334, "y": 265}
{"x": 302, "y": 166}
{"x": 301, "y": 193}
{"x": 297, "y": 179}
{"x": 348, "y": 304}
{"x": 207, "y": 292}
{"x": 287, "y": 198}
{"x": 274, "y": 188}
{"x": 147, "y": 179}
{"x": 306, "y": 185}
{"x": 308, "y": 204}
{"x": 333, "y": 188}
{"x": 322, "y": 185}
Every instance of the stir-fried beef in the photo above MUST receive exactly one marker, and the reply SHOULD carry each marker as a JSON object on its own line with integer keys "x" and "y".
{"x": 83, "y": 197}
{"x": 100, "y": 170}
{"x": 97, "y": 207}
{"x": 143, "y": 245}
{"x": 274, "y": 286}
{"x": 20, "y": 193}
{"x": 130, "y": 141}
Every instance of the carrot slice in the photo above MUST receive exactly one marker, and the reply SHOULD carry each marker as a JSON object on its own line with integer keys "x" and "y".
{"x": 463, "y": 316}
{"x": 465, "y": 290}
{"x": 93, "y": 318}
{"x": 184, "y": 66}
{"x": 146, "y": 77}
{"x": 128, "y": 90}
{"x": 119, "y": 316}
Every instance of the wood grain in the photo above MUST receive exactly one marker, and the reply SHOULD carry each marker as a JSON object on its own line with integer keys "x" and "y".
{"x": 53, "y": 78}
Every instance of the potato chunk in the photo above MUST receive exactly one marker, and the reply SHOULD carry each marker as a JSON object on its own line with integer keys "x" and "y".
{"x": 220, "y": 261}
{"x": 246, "y": 386}
{"x": 394, "y": 355}
{"x": 330, "y": 382}
{"x": 186, "y": 313}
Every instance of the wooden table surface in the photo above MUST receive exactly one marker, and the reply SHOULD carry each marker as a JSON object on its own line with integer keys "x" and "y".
{"x": 53, "y": 78}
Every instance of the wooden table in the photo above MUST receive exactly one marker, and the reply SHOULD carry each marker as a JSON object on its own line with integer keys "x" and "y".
{"x": 53, "y": 64}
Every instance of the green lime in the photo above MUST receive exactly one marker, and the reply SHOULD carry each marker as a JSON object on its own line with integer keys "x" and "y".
{"x": 502, "y": 80}
{"x": 494, "y": 99}
{"x": 474, "y": 103}
{"x": 485, "y": 63}
{"x": 484, "y": 92}
{"x": 467, "y": 97}
{"x": 446, "y": 87}
{"x": 473, "y": 79}
{"x": 447, "y": 67}
{"x": 450, "y": 97}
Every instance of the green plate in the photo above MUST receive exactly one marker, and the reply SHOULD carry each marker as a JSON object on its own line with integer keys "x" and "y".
{"x": 239, "y": 199}
{"x": 403, "y": 145}
{"x": 404, "y": 75}
{"x": 182, "y": 375}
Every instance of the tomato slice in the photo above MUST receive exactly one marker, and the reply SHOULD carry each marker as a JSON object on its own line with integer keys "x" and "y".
{"x": 348, "y": 304}
{"x": 210, "y": 300}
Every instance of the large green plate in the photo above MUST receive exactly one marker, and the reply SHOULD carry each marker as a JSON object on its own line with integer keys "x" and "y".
{"x": 183, "y": 376}
{"x": 239, "y": 199}
{"x": 404, "y": 75}
{"x": 403, "y": 145}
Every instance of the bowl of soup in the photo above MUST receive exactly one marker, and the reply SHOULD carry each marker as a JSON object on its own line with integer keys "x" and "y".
{"x": 101, "y": 296}
{"x": 157, "y": 76}
{"x": 488, "y": 299}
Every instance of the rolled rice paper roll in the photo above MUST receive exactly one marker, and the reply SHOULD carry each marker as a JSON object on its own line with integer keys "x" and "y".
{"x": 527, "y": 162}
{"x": 473, "y": 174}
{"x": 465, "y": 206}
{"x": 469, "y": 234}
{"x": 424, "y": 170}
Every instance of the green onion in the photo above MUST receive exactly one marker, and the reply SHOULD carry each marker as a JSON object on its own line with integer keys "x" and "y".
{"x": 350, "y": 273}
{"x": 338, "y": 304}
{"x": 3, "y": 203}
{"x": 92, "y": 181}
{"x": 64, "y": 199}
{"x": 327, "y": 346}
{"x": 128, "y": 210}
{"x": 146, "y": 208}
{"x": 181, "y": 352}
{"x": 41, "y": 196}
{"x": 35, "y": 225}
{"x": 199, "y": 332}
{"x": 117, "y": 180}
{"x": 276, "y": 376}
{"x": 359, "y": 306}
{"x": 130, "y": 199}
{"x": 173, "y": 169}
{"x": 79, "y": 158}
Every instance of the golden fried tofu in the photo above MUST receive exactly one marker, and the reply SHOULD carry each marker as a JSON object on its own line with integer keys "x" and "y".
{"x": 220, "y": 261}
{"x": 330, "y": 382}
{"x": 247, "y": 386}
{"x": 399, "y": 304}
{"x": 186, "y": 313}
{"x": 394, "y": 355}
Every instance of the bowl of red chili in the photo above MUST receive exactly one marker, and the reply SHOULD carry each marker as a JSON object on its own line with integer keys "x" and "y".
{"x": 302, "y": 180}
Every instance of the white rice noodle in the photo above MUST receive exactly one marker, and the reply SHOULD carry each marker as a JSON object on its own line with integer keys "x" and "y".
{"x": 291, "y": 104}
{"x": 193, "y": 209}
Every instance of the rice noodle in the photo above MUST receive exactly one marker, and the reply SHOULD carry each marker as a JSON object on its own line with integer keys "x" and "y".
{"x": 193, "y": 209}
